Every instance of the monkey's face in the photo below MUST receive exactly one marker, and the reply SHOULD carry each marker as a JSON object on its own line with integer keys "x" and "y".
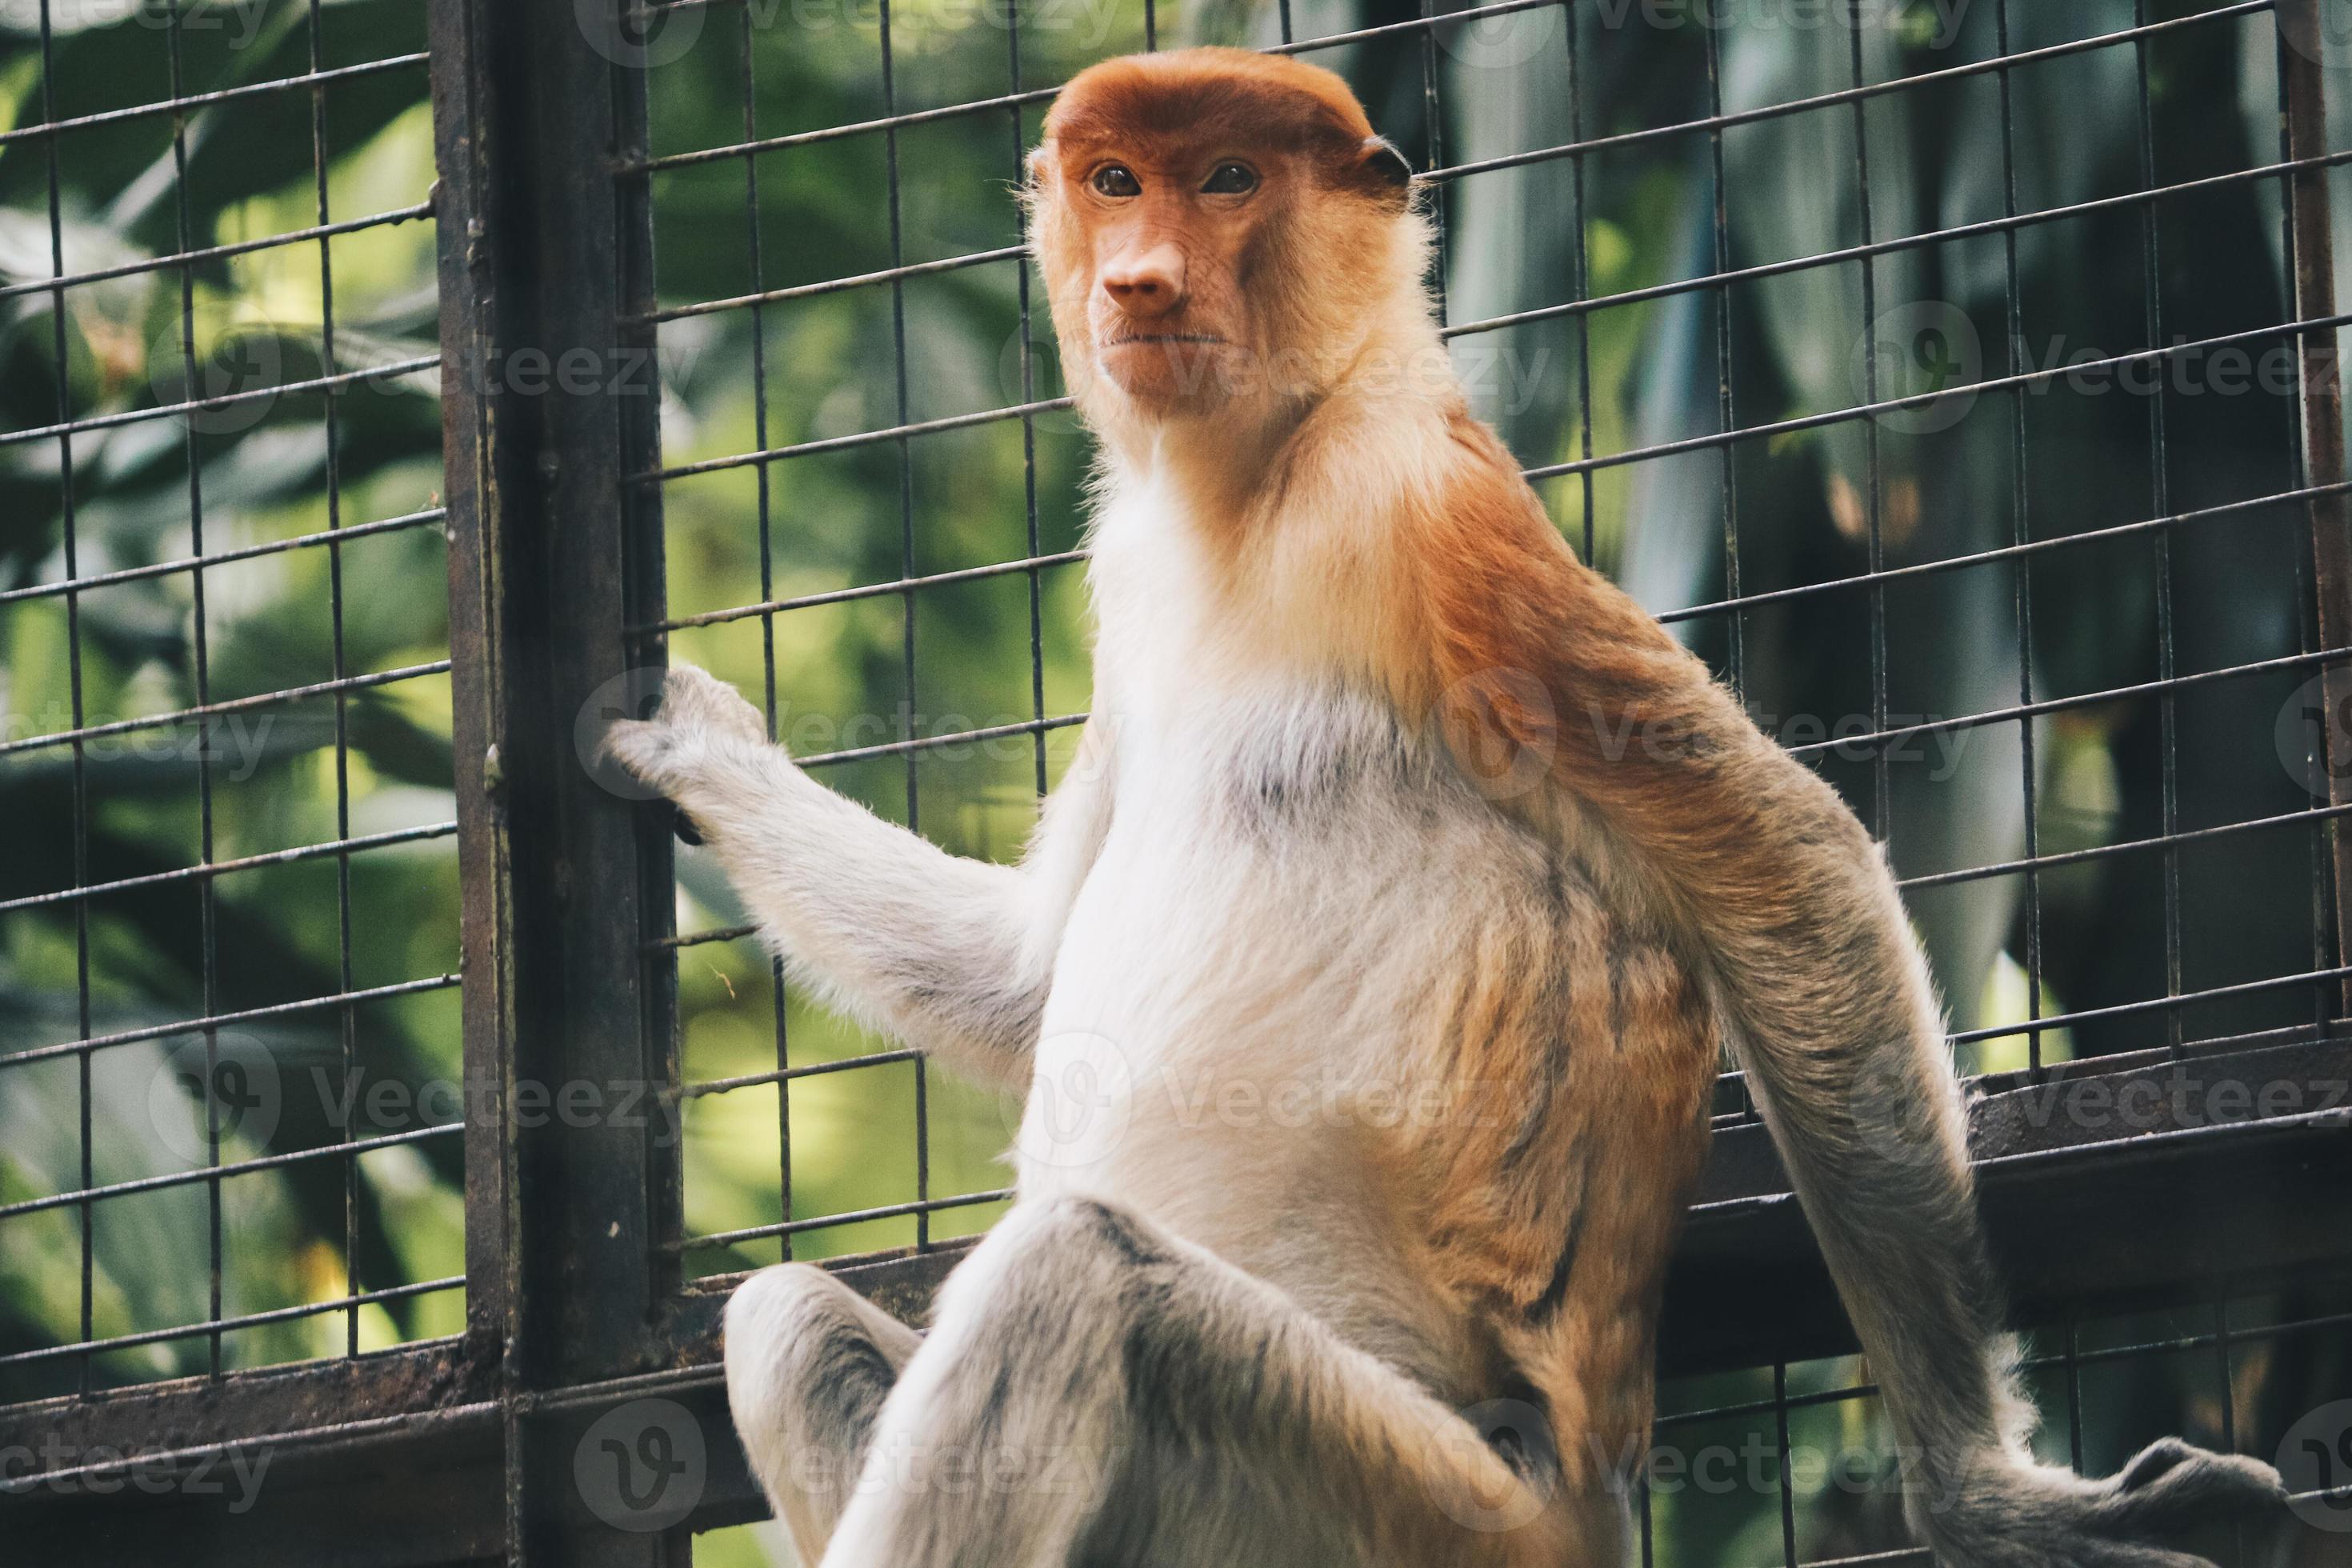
{"x": 1201, "y": 218}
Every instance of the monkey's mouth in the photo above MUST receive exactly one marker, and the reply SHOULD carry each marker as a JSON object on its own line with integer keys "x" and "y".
{"x": 1162, "y": 338}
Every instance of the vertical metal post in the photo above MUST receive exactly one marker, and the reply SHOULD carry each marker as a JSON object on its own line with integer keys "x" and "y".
{"x": 548, "y": 403}
{"x": 2304, "y": 103}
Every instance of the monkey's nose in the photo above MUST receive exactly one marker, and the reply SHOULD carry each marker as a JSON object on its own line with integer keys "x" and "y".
{"x": 1147, "y": 283}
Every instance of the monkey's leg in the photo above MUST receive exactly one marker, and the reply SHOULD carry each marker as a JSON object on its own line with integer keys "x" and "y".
{"x": 809, "y": 1362}
{"x": 1099, "y": 1393}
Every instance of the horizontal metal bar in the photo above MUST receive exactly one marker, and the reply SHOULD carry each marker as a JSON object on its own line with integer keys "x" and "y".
{"x": 628, "y": 168}
{"x": 2082, "y": 699}
{"x": 929, "y": 742}
{"x": 1714, "y": 607}
{"x": 222, "y": 557}
{"x": 231, "y": 705}
{"x": 1995, "y": 716}
{"x": 828, "y": 1222}
{"x": 2129, "y": 846}
{"x": 1013, "y": 99}
{"x": 244, "y": 1321}
{"x": 701, "y": 1087}
{"x": 223, "y": 94}
{"x": 1980, "y": 230}
{"x": 1650, "y": 292}
{"x": 150, "y": 1462}
{"x": 863, "y": 591}
{"x": 218, "y": 252}
{"x": 836, "y": 285}
{"x": 2024, "y": 379}
{"x": 1716, "y": 122}
{"x": 218, "y": 1172}
{"x": 2021, "y": 381}
{"x": 358, "y": 844}
{"x": 228, "y": 1020}
{"x": 2174, "y": 1346}
{"x": 756, "y": 146}
{"x": 849, "y": 443}
{"x": 2152, "y": 1004}
{"x": 697, "y": 938}
{"x": 2004, "y": 553}
{"x": 392, "y": 371}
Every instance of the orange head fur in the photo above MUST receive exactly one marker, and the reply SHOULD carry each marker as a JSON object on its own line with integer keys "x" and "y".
{"x": 1212, "y": 226}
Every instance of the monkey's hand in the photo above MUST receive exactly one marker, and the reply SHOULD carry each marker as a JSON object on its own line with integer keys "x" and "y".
{"x": 2004, "y": 1512}
{"x": 701, "y": 748}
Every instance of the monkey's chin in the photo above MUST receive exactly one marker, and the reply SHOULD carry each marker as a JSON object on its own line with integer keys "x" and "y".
{"x": 1170, "y": 377}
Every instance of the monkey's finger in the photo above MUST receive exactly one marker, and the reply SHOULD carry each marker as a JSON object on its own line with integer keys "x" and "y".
{"x": 694, "y": 699}
{"x": 2170, "y": 1485}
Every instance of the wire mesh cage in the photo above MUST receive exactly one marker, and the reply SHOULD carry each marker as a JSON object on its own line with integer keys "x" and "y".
{"x": 390, "y": 388}
{"x": 229, "y": 774}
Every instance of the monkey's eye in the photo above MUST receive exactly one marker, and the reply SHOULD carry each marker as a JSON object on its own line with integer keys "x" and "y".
{"x": 1230, "y": 180}
{"x": 1117, "y": 180}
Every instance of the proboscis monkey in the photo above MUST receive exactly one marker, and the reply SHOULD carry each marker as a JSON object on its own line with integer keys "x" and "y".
{"x": 1388, "y": 808}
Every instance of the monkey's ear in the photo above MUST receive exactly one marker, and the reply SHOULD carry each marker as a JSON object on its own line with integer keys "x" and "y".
{"x": 1039, "y": 165}
{"x": 1386, "y": 166}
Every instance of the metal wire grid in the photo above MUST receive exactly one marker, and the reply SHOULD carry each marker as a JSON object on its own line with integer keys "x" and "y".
{"x": 2228, "y": 1327}
{"x": 2302, "y": 490}
{"x": 200, "y": 718}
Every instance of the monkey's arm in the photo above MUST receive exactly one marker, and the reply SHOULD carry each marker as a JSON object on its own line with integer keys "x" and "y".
{"x": 1791, "y": 909}
{"x": 951, "y": 954}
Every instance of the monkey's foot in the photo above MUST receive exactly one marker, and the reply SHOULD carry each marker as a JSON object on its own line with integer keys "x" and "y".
{"x": 2010, "y": 1515}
